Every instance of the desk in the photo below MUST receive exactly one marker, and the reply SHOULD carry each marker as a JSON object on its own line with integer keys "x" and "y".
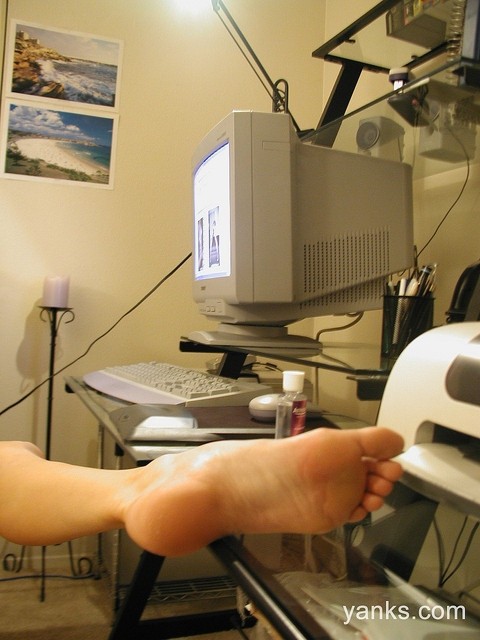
{"x": 128, "y": 615}
{"x": 305, "y": 586}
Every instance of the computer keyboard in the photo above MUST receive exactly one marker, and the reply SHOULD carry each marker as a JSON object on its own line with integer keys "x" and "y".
{"x": 163, "y": 383}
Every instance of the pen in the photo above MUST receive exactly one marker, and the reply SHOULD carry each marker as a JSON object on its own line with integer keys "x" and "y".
{"x": 426, "y": 279}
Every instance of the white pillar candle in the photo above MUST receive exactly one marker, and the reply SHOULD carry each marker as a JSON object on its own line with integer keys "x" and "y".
{"x": 55, "y": 292}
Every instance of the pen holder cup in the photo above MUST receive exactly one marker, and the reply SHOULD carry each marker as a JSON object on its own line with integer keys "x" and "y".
{"x": 404, "y": 319}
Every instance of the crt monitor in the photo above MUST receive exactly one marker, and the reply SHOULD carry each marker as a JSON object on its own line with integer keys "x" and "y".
{"x": 285, "y": 230}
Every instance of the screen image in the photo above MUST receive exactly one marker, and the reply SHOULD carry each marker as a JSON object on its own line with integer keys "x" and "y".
{"x": 211, "y": 195}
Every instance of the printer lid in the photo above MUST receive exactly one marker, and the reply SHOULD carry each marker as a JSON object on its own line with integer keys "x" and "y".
{"x": 432, "y": 398}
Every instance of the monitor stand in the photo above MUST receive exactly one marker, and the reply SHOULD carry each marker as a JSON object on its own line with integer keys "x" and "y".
{"x": 255, "y": 337}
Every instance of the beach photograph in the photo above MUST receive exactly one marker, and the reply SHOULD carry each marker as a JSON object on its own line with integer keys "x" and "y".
{"x": 52, "y": 64}
{"x": 58, "y": 145}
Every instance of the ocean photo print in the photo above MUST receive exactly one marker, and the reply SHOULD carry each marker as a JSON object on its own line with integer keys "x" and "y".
{"x": 60, "y": 65}
{"x": 55, "y": 144}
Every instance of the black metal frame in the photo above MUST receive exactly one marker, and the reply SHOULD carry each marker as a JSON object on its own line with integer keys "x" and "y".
{"x": 281, "y": 609}
{"x": 283, "y": 612}
{"x": 352, "y": 69}
{"x": 128, "y": 623}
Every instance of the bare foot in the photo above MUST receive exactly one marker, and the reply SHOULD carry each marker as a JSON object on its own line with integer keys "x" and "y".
{"x": 310, "y": 483}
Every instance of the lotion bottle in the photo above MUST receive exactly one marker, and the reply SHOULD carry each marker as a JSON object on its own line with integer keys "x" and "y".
{"x": 292, "y": 406}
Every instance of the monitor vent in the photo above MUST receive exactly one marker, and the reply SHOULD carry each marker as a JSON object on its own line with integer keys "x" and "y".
{"x": 361, "y": 297}
{"x": 335, "y": 266}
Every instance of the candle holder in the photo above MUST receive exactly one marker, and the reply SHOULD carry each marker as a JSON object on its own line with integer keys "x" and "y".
{"x": 54, "y": 316}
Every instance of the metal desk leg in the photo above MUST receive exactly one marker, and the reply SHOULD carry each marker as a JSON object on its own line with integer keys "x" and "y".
{"x": 128, "y": 625}
{"x": 231, "y": 364}
{"x": 128, "y": 617}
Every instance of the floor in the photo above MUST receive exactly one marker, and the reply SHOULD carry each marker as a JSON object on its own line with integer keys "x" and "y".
{"x": 72, "y": 610}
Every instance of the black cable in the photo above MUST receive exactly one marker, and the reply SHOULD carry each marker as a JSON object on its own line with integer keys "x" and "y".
{"x": 449, "y": 210}
{"x": 473, "y": 531}
{"x": 441, "y": 550}
{"x": 357, "y": 317}
{"x": 454, "y": 551}
{"x": 105, "y": 333}
{"x": 279, "y": 98}
{"x": 263, "y": 83}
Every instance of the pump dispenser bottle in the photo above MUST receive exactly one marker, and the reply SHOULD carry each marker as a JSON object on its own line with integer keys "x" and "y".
{"x": 292, "y": 406}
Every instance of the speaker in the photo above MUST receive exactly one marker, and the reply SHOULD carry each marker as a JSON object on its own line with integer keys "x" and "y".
{"x": 380, "y": 137}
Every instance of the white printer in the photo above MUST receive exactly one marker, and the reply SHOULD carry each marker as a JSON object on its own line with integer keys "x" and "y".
{"x": 432, "y": 399}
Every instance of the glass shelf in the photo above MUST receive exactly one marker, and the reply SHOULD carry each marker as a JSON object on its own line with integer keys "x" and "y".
{"x": 361, "y": 362}
{"x": 391, "y": 35}
{"x": 438, "y": 39}
{"x": 429, "y": 123}
{"x": 350, "y": 358}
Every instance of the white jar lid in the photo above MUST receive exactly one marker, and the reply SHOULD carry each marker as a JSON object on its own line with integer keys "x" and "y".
{"x": 293, "y": 380}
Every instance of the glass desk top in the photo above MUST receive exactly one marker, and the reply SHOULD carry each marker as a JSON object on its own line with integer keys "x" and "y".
{"x": 408, "y": 571}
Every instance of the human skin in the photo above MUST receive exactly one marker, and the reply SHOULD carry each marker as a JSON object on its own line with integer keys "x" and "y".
{"x": 180, "y": 502}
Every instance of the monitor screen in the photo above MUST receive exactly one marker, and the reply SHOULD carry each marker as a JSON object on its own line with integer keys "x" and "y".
{"x": 211, "y": 199}
{"x": 285, "y": 230}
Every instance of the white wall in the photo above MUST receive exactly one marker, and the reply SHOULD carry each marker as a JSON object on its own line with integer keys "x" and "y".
{"x": 181, "y": 74}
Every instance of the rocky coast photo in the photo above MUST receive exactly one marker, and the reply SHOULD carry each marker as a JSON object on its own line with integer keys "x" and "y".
{"x": 27, "y": 72}
{"x": 75, "y": 69}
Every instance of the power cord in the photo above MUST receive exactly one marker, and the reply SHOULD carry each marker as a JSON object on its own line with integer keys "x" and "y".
{"x": 445, "y": 570}
{"x": 448, "y": 571}
{"x": 356, "y": 318}
{"x": 460, "y": 193}
{"x": 100, "y": 337}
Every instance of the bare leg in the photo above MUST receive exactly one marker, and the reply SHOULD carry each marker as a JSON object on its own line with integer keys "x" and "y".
{"x": 179, "y": 503}
{"x": 44, "y": 502}
{"x": 310, "y": 483}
